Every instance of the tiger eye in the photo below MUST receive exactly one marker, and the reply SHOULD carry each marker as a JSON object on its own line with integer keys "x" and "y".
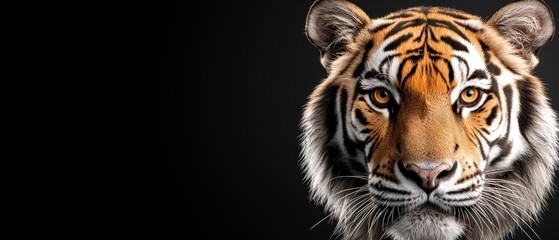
{"x": 469, "y": 95}
{"x": 381, "y": 97}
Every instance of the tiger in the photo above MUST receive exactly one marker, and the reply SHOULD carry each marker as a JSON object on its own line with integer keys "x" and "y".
{"x": 430, "y": 123}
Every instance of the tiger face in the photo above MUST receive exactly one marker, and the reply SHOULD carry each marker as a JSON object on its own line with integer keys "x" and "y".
{"x": 430, "y": 124}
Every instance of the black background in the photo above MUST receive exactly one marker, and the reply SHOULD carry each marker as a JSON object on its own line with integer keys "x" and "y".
{"x": 239, "y": 102}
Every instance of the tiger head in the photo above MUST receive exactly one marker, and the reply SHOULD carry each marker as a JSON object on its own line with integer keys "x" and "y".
{"x": 430, "y": 124}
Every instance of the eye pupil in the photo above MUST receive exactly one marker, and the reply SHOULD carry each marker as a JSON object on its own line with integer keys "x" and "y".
{"x": 470, "y": 93}
{"x": 383, "y": 94}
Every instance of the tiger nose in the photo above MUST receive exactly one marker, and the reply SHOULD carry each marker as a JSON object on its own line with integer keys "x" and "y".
{"x": 427, "y": 178}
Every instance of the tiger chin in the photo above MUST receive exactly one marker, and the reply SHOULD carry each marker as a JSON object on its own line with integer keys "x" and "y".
{"x": 430, "y": 123}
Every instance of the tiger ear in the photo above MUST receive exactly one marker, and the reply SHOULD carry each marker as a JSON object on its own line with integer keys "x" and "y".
{"x": 527, "y": 24}
{"x": 332, "y": 25}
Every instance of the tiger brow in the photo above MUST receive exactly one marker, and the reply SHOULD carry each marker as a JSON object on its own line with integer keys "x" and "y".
{"x": 478, "y": 74}
{"x": 376, "y": 74}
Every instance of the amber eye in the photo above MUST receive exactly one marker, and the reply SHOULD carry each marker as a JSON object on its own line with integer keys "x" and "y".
{"x": 381, "y": 97}
{"x": 469, "y": 96}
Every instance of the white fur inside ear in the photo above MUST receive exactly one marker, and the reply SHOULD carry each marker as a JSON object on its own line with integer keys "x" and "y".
{"x": 340, "y": 22}
{"x": 528, "y": 25}
{"x": 332, "y": 25}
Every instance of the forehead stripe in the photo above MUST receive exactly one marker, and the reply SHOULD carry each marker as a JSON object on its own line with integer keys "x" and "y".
{"x": 454, "y": 44}
{"x": 450, "y": 70}
{"x": 404, "y": 25}
{"x": 448, "y": 25}
{"x": 361, "y": 67}
{"x": 380, "y": 27}
{"x": 410, "y": 73}
{"x": 396, "y": 43}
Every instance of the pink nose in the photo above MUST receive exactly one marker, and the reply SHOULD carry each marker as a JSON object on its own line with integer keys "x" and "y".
{"x": 429, "y": 178}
